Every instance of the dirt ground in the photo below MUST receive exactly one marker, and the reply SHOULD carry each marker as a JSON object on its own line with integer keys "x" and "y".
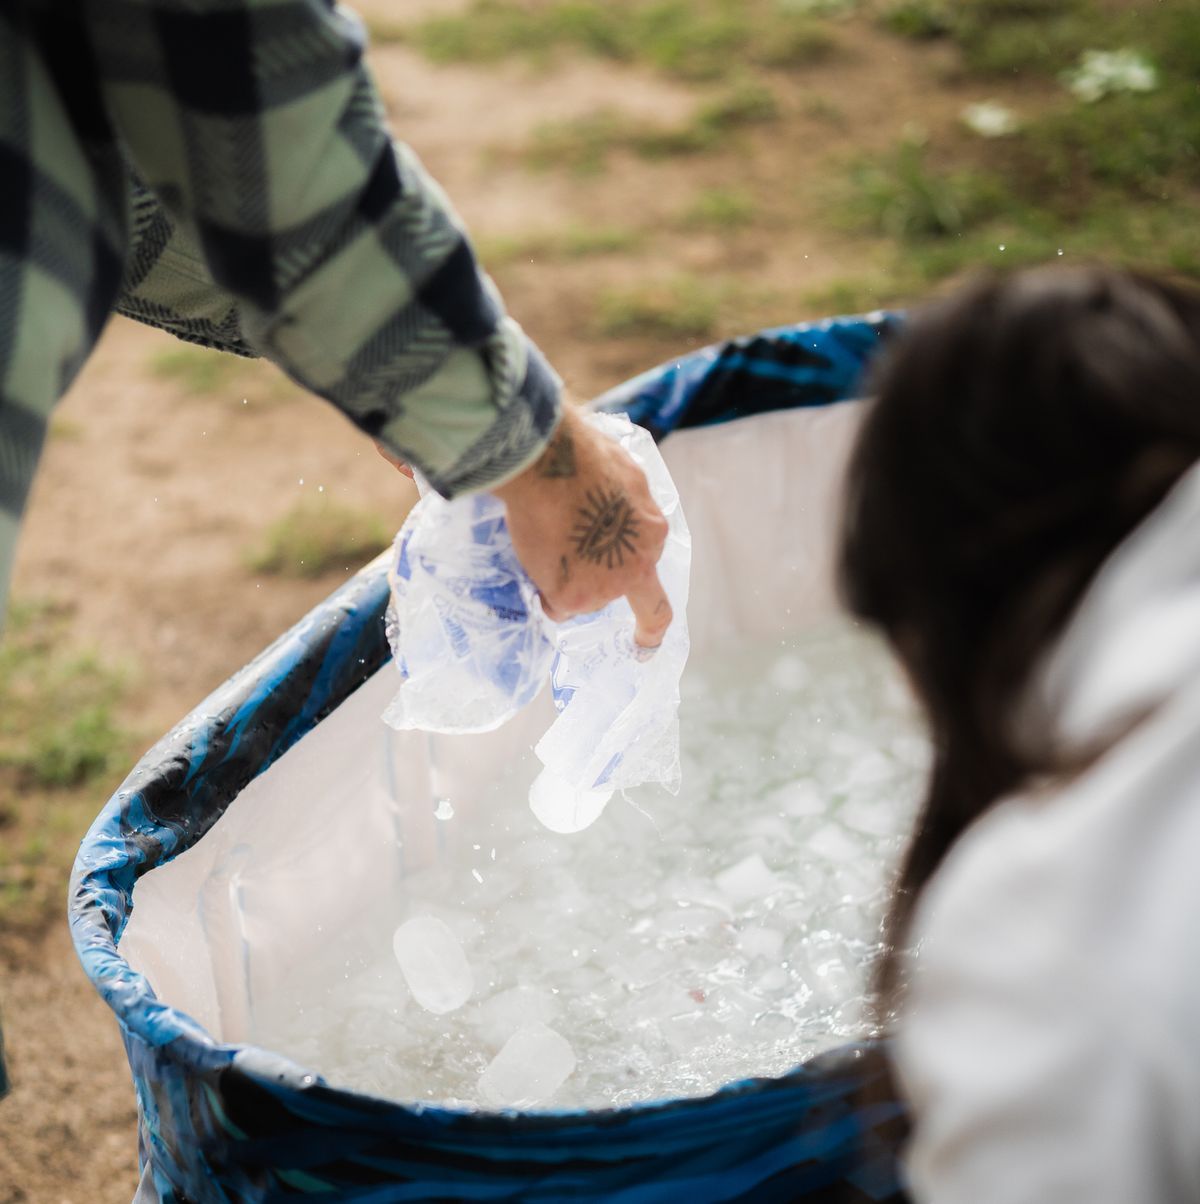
{"x": 149, "y": 495}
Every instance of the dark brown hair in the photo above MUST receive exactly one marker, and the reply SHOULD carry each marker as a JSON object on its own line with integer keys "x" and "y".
{"x": 1021, "y": 429}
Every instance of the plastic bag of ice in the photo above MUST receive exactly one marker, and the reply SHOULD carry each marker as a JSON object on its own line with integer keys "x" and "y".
{"x": 473, "y": 646}
{"x": 465, "y": 623}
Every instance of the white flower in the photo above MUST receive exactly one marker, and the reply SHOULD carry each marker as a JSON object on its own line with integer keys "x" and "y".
{"x": 1103, "y": 71}
{"x": 989, "y": 119}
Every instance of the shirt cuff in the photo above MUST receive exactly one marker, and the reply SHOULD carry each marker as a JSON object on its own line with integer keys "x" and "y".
{"x": 525, "y": 411}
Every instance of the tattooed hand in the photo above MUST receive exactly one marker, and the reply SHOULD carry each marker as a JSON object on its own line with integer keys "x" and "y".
{"x": 586, "y": 529}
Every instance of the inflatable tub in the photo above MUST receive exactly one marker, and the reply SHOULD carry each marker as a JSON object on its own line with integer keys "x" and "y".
{"x": 285, "y": 787}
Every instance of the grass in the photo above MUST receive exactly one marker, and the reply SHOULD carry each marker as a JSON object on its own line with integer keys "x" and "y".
{"x": 1117, "y": 178}
{"x": 721, "y": 209}
{"x": 583, "y": 144}
{"x": 685, "y": 39}
{"x": 902, "y": 196}
{"x": 313, "y": 539}
{"x": 198, "y": 371}
{"x": 63, "y": 749}
{"x": 919, "y": 19}
{"x": 677, "y": 308}
{"x": 67, "y": 430}
{"x": 573, "y": 242}
{"x": 202, "y": 372}
{"x": 856, "y": 294}
{"x": 1000, "y": 37}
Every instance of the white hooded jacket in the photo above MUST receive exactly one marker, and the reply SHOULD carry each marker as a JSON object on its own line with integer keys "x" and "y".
{"x": 1050, "y": 1045}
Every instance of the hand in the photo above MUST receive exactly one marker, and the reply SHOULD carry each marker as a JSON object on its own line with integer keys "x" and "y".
{"x": 586, "y": 529}
{"x": 398, "y": 464}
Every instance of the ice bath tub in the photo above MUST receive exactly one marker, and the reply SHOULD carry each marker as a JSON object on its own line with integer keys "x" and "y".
{"x": 310, "y": 787}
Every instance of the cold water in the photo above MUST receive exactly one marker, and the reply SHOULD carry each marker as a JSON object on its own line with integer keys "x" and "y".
{"x": 679, "y": 944}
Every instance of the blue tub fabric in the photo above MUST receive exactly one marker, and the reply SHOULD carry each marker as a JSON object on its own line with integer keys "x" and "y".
{"x": 223, "y": 1124}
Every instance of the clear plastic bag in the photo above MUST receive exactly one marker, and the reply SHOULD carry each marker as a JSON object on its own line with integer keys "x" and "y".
{"x": 474, "y": 647}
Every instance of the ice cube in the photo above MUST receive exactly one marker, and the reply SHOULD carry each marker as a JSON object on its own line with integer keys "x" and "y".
{"x": 686, "y": 921}
{"x": 533, "y": 1064}
{"x": 832, "y": 981}
{"x": 631, "y": 964}
{"x": 565, "y": 808}
{"x": 774, "y": 830}
{"x": 433, "y": 964}
{"x": 774, "y": 1026}
{"x": 857, "y": 883}
{"x": 498, "y": 1018}
{"x": 874, "y": 816}
{"x": 750, "y": 878}
{"x": 870, "y": 769}
{"x": 761, "y": 942}
{"x": 689, "y": 1033}
{"x": 799, "y": 799}
{"x": 833, "y": 842}
{"x": 735, "y": 1008}
{"x": 659, "y": 1002}
{"x": 772, "y": 980}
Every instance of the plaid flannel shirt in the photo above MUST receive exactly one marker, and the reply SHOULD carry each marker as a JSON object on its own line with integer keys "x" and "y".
{"x": 221, "y": 169}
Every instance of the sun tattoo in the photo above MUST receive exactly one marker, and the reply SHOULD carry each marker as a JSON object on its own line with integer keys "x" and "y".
{"x": 607, "y": 528}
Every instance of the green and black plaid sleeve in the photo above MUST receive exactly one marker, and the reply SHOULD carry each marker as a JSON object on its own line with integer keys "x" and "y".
{"x": 221, "y": 169}
{"x": 255, "y": 123}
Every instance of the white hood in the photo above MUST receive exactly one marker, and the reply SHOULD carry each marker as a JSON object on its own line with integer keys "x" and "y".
{"x": 1135, "y": 637}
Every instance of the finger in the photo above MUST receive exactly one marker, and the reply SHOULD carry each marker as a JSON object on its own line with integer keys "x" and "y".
{"x": 651, "y": 611}
{"x": 394, "y": 460}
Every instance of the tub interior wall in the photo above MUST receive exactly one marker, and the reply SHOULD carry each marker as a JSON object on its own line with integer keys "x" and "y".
{"x": 297, "y": 861}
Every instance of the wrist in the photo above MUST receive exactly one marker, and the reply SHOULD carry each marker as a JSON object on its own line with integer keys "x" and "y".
{"x": 556, "y": 462}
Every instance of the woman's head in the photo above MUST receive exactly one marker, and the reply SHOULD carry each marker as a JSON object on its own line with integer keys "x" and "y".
{"x": 1022, "y": 428}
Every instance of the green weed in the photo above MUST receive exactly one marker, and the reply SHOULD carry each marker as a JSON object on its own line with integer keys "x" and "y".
{"x": 1135, "y": 144}
{"x": 682, "y": 307}
{"x": 574, "y": 242}
{"x": 918, "y": 18}
{"x": 63, "y": 747}
{"x": 64, "y": 429}
{"x": 859, "y": 294}
{"x": 583, "y": 144}
{"x": 686, "y": 39}
{"x": 198, "y": 371}
{"x": 905, "y": 198}
{"x": 721, "y": 209}
{"x": 58, "y": 725}
{"x": 310, "y": 540}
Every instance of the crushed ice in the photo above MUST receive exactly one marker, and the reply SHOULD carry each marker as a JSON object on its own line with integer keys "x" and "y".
{"x": 730, "y": 937}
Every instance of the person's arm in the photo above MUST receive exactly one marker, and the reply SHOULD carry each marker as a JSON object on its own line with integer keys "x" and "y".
{"x": 255, "y": 123}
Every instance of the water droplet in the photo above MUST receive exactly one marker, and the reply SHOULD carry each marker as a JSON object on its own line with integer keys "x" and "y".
{"x": 1002, "y": 247}
{"x": 477, "y": 876}
{"x": 443, "y": 810}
